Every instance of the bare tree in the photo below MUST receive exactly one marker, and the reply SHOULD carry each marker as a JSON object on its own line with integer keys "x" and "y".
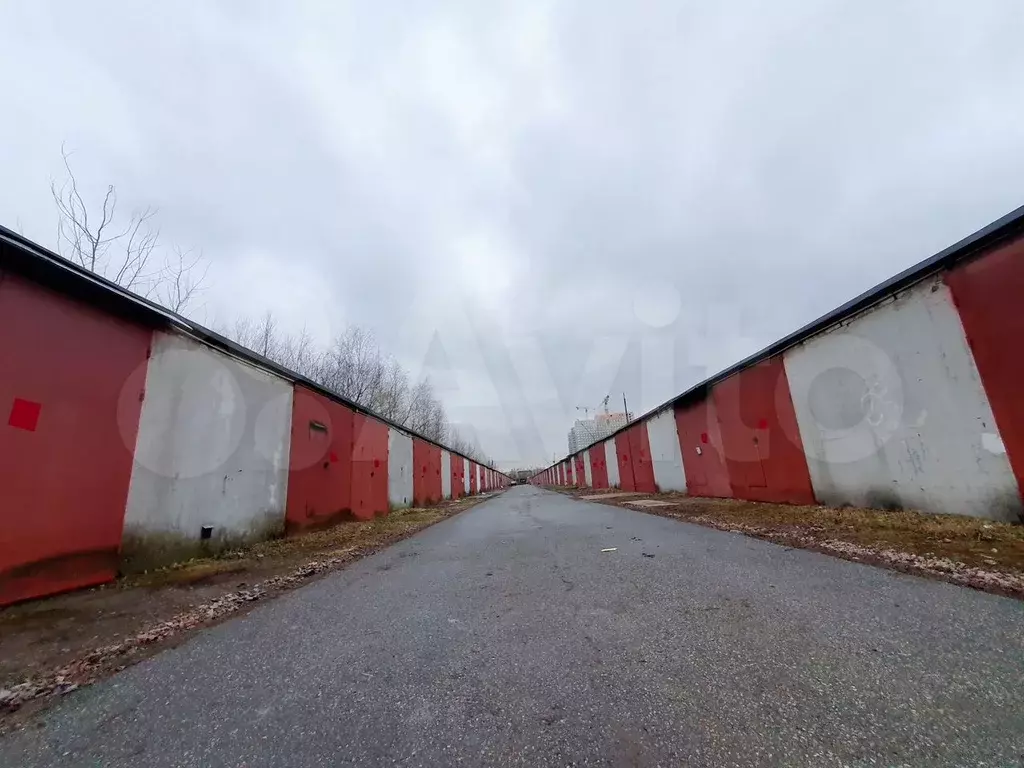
{"x": 355, "y": 368}
{"x": 182, "y": 280}
{"x": 124, "y": 252}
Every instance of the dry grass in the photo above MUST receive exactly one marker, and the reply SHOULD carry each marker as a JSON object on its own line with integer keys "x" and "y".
{"x": 267, "y": 555}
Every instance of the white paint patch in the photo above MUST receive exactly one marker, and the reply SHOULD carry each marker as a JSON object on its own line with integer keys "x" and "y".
{"x": 892, "y": 411}
{"x": 612, "y": 462}
{"x": 400, "y": 469}
{"x": 665, "y": 454}
{"x": 588, "y": 472}
{"x": 993, "y": 443}
{"x": 465, "y": 476}
{"x": 212, "y": 448}
{"x": 446, "y": 474}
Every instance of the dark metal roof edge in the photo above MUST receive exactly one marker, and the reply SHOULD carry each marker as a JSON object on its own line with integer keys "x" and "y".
{"x": 966, "y": 248}
{"x": 165, "y": 317}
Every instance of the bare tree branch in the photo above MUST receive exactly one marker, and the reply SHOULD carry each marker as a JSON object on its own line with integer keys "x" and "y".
{"x": 141, "y": 266}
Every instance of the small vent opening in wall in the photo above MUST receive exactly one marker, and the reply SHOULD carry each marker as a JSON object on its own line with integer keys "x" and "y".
{"x": 316, "y": 426}
{"x": 206, "y": 532}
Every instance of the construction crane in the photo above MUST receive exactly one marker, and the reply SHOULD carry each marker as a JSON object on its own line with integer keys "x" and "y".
{"x": 587, "y": 409}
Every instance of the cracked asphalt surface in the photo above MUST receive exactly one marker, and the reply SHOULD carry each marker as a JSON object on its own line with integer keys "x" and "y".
{"x": 504, "y": 636}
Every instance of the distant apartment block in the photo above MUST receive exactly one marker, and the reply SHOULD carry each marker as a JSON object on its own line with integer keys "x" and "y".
{"x": 586, "y": 432}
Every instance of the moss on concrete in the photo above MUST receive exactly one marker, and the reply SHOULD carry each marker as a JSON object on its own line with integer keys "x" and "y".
{"x": 143, "y": 550}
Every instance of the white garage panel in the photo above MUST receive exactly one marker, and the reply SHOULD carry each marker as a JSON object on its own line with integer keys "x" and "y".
{"x": 588, "y": 473}
{"x": 668, "y": 460}
{"x": 572, "y": 471}
{"x": 399, "y": 469}
{"x": 465, "y": 476}
{"x": 612, "y": 462}
{"x": 446, "y": 474}
{"x": 211, "y": 458}
{"x": 892, "y": 412}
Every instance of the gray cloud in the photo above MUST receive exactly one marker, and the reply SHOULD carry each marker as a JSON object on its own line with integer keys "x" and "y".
{"x": 538, "y": 204}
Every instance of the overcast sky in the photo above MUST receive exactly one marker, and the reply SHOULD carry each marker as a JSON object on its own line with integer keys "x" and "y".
{"x": 535, "y": 203}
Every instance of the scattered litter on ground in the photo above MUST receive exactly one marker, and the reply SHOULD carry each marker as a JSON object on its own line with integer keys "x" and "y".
{"x": 609, "y": 549}
{"x": 954, "y": 548}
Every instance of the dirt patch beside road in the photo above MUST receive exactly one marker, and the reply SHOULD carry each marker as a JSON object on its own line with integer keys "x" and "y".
{"x": 52, "y": 646}
{"x": 983, "y": 554}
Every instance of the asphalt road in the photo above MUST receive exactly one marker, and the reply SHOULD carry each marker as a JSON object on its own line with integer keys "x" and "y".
{"x": 504, "y": 636}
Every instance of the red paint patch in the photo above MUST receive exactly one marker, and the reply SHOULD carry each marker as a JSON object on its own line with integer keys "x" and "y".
{"x": 334, "y": 458}
{"x": 704, "y": 437}
{"x": 376, "y": 463}
{"x": 25, "y": 415}
{"x": 762, "y": 424}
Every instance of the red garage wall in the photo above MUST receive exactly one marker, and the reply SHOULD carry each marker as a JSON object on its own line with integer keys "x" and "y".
{"x": 426, "y": 481}
{"x": 472, "y": 478}
{"x": 640, "y": 451}
{"x": 458, "y": 476}
{"x": 369, "y": 467}
{"x": 624, "y": 456}
{"x": 700, "y": 443}
{"x": 987, "y": 293}
{"x": 598, "y": 468}
{"x": 581, "y": 476}
{"x": 320, "y": 462}
{"x": 71, "y": 389}
{"x": 760, "y": 436}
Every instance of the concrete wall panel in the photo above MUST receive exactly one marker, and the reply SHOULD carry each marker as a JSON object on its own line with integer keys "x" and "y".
{"x": 446, "y": 474}
{"x": 760, "y": 438}
{"x": 665, "y": 455}
{"x": 588, "y": 470}
{"x": 213, "y": 451}
{"x": 71, "y": 385}
{"x": 988, "y": 292}
{"x": 369, "y": 467}
{"x": 700, "y": 443}
{"x": 466, "y": 482}
{"x": 611, "y": 463}
{"x": 892, "y": 412}
{"x": 400, "y": 469}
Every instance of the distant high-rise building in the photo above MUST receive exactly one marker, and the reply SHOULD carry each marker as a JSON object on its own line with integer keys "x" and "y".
{"x": 589, "y": 431}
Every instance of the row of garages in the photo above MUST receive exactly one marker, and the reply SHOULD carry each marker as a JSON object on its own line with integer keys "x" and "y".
{"x": 906, "y": 397}
{"x": 132, "y": 438}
